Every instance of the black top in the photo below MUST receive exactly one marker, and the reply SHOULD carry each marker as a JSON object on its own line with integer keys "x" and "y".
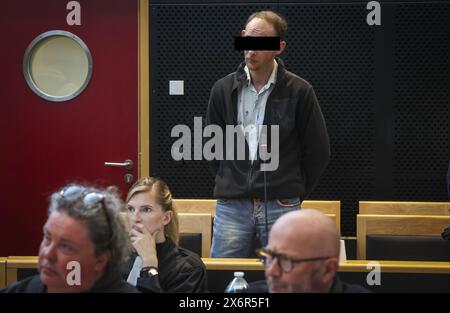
{"x": 179, "y": 270}
{"x": 304, "y": 148}
{"x": 337, "y": 287}
{"x": 107, "y": 283}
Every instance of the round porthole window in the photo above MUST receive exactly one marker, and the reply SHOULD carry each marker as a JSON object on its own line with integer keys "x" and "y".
{"x": 57, "y": 65}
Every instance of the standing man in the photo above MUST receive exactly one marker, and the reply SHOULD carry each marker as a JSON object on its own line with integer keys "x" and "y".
{"x": 263, "y": 93}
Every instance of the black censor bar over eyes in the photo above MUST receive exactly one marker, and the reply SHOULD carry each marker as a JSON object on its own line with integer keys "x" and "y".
{"x": 257, "y": 43}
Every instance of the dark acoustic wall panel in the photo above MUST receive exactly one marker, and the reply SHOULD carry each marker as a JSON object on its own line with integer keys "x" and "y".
{"x": 422, "y": 101}
{"x": 332, "y": 47}
{"x": 384, "y": 91}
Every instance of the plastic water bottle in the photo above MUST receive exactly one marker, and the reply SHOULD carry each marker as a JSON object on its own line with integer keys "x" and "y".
{"x": 237, "y": 284}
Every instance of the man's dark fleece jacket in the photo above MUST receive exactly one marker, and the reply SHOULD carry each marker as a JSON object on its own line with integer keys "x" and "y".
{"x": 304, "y": 148}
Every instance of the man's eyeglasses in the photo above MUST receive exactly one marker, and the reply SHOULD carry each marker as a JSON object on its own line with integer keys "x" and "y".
{"x": 285, "y": 262}
{"x": 90, "y": 199}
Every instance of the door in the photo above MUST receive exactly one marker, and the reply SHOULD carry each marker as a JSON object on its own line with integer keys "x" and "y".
{"x": 45, "y": 144}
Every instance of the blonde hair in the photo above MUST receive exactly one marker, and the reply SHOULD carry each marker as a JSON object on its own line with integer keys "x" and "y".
{"x": 163, "y": 198}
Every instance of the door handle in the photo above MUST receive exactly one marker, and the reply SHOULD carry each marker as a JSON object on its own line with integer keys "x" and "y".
{"x": 128, "y": 164}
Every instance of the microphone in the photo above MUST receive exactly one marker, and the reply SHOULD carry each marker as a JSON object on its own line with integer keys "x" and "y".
{"x": 263, "y": 157}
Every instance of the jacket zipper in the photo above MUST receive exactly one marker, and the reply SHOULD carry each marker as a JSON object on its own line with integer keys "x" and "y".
{"x": 250, "y": 171}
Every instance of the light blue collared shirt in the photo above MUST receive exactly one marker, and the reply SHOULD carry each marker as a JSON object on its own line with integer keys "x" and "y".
{"x": 252, "y": 107}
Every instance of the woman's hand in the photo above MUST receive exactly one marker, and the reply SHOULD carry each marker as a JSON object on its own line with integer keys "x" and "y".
{"x": 145, "y": 244}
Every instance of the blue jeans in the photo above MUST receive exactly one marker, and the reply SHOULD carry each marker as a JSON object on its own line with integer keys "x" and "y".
{"x": 237, "y": 221}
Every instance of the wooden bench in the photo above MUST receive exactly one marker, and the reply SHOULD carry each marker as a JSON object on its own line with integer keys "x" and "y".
{"x": 397, "y": 276}
{"x": 2, "y": 273}
{"x": 195, "y": 206}
{"x": 349, "y": 266}
{"x": 406, "y": 225}
{"x": 31, "y": 262}
{"x": 14, "y": 263}
{"x": 209, "y": 206}
{"x": 326, "y": 207}
{"x": 197, "y": 223}
{"x": 404, "y": 208}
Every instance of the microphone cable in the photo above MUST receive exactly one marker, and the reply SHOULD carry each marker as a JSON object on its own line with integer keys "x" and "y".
{"x": 263, "y": 156}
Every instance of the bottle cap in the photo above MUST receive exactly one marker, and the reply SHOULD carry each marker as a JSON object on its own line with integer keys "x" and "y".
{"x": 238, "y": 274}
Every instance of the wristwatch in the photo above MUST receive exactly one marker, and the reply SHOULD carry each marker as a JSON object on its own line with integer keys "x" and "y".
{"x": 148, "y": 271}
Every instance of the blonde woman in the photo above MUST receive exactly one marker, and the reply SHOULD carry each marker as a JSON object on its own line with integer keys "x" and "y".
{"x": 159, "y": 264}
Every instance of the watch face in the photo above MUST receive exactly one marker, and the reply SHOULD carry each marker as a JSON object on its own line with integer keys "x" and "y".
{"x": 153, "y": 271}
